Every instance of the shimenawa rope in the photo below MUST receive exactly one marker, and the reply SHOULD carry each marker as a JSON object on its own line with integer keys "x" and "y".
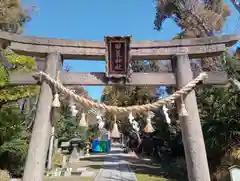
{"x": 136, "y": 108}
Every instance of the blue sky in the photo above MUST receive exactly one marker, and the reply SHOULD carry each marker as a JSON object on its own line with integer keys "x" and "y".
{"x": 92, "y": 19}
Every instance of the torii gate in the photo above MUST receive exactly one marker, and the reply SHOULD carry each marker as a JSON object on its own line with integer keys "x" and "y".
{"x": 54, "y": 51}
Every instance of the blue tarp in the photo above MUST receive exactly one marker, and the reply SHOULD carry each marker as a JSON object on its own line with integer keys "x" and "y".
{"x": 100, "y": 146}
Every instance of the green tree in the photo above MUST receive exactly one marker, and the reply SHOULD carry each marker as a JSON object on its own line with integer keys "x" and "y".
{"x": 226, "y": 123}
{"x": 14, "y": 135}
{"x": 13, "y": 62}
{"x": 217, "y": 106}
{"x": 12, "y": 19}
{"x": 221, "y": 123}
{"x": 67, "y": 126}
{"x": 121, "y": 95}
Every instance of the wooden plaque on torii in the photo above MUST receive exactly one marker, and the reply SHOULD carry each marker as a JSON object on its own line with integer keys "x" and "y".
{"x": 117, "y": 55}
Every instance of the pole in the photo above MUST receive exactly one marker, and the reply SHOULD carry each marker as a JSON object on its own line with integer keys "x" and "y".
{"x": 194, "y": 146}
{"x": 37, "y": 152}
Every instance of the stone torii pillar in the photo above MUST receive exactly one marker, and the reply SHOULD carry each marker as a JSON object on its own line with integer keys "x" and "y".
{"x": 37, "y": 152}
{"x": 192, "y": 136}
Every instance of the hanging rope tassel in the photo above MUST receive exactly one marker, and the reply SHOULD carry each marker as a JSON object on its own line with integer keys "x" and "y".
{"x": 73, "y": 107}
{"x": 149, "y": 128}
{"x": 83, "y": 121}
{"x": 165, "y": 111}
{"x": 115, "y": 132}
{"x": 74, "y": 111}
{"x": 183, "y": 111}
{"x": 130, "y": 117}
{"x": 56, "y": 103}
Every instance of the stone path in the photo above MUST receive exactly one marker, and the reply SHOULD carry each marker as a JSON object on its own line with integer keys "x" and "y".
{"x": 114, "y": 168}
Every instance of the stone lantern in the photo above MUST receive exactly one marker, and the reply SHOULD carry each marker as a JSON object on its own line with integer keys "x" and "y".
{"x": 75, "y": 145}
{"x": 65, "y": 151}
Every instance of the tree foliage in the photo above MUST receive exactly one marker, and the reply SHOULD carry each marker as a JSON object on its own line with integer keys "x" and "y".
{"x": 13, "y": 135}
{"x": 13, "y": 16}
{"x": 12, "y": 62}
{"x": 220, "y": 118}
{"x": 13, "y": 140}
{"x": 67, "y": 126}
{"x": 218, "y": 106}
{"x": 211, "y": 13}
{"x": 121, "y": 95}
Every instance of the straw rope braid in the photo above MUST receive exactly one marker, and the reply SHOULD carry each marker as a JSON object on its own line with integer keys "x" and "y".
{"x": 136, "y": 108}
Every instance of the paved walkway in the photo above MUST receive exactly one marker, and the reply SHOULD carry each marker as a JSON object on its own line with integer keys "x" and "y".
{"x": 114, "y": 168}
